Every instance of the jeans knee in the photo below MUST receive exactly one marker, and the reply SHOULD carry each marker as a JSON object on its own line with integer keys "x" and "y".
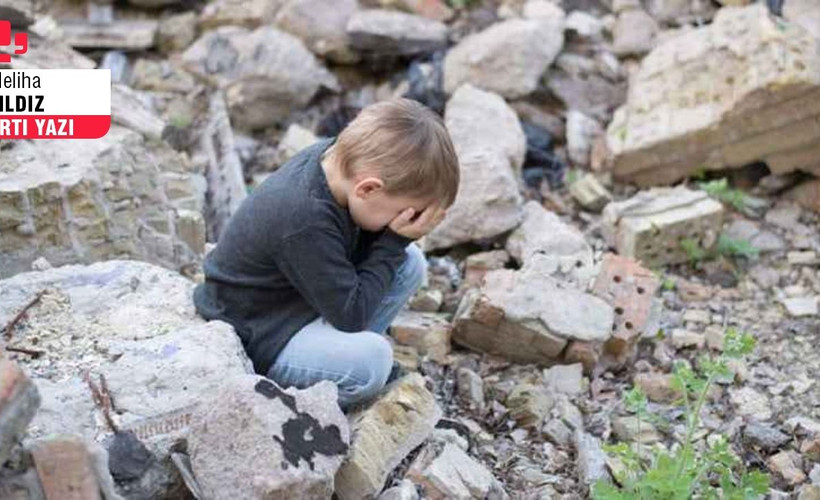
{"x": 372, "y": 372}
{"x": 415, "y": 266}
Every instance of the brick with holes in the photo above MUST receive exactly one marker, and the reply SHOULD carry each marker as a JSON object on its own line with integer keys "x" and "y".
{"x": 663, "y": 225}
{"x": 630, "y": 289}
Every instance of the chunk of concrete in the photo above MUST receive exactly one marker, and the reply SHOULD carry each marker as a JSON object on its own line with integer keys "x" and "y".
{"x": 490, "y": 145}
{"x": 452, "y": 473}
{"x": 252, "y": 439}
{"x": 265, "y": 73}
{"x": 508, "y": 57}
{"x": 527, "y": 316}
{"x": 655, "y": 226}
{"x": 384, "y": 433}
{"x": 721, "y": 96}
{"x": 75, "y": 201}
{"x": 558, "y": 245}
{"x": 390, "y": 32}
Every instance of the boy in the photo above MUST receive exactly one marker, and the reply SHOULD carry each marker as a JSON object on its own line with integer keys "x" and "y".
{"x": 317, "y": 261}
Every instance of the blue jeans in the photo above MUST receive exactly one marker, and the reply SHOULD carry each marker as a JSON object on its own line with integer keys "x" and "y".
{"x": 360, "y": 362}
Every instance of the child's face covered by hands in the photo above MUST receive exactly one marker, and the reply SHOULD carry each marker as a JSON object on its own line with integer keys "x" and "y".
{"x": 409, "y": 216}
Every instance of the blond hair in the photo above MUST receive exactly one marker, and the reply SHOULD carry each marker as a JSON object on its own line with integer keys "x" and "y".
{"x": 405, "y": 144}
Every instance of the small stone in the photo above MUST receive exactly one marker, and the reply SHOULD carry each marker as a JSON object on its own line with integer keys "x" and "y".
{"x": 801, "y": 306}
{"x": 634, "y": 33}
{"x": 40, "y": 264}
{"x": 811, "y": 448}
{"x": 682, "y": 339}
{"x": 581, "y": 132}
{"x": 445, "y": 436}
{"x": 787, "y": 465}
{"x": 589, "y": 193}
{"x": 66, "y": 468}
{"x": 814, "y": 474}
{"x": 470, "y": 388}
{"x": 657, "y": 387}
{"x": 296, "y": 138}
{"x": 807, "y": 194}
{"x": 765, "y": 436}
{"x": 591, "y": 459}
{"x": 558, "y": 432}
{"x": 809, "y": 492}
{"x": 584, "y": 25}
{"x": 477, "y": 265}
{"x": 566, "y": 379}
{"x": 714, "y": 337}
{"x": 529, "y": 404}
{"x": 805, "y": 258}
{"x": 453, "y": 473}
{"x": 633, "y": 429}
{"x": 176, "y": 32}
{"x": 406, "y": 490}
{"x": 697, "y": 316}
{"x": 429, "y": 333}
{"x": 427, "y": 300}
{"x": 750, "y": 403}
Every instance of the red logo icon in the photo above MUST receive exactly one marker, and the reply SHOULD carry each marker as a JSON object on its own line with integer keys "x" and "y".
{"x": 20, "y": 41}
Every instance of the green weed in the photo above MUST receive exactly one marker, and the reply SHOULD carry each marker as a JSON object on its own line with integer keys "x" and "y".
{"x": 687, "y": 471}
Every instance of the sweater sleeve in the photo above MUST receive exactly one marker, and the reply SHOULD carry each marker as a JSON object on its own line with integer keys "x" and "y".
{"x": 315, "y": 262}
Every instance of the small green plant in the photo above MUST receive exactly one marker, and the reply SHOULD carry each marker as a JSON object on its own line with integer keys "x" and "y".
{"x": 687, "y": 471}
{"x": 181, "y": 121}
{"x": 726, "y": 247}
{"x": 720, "y": 190}
{"x": 461, "y": 4}
{"x": 731, "y": 247}
{"x": 572, "y": 176}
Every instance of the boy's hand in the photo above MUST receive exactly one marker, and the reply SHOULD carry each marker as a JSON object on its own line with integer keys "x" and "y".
{"x": 406, "y": 225}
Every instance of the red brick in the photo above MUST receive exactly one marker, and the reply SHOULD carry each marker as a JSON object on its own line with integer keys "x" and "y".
{"x": 65, "y": 468}
{"x": 630, "y": 289}
{"x": 19, "y": 401}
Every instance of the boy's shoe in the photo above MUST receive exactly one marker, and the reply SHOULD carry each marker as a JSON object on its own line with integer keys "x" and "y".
{"x": 395, "y": 373}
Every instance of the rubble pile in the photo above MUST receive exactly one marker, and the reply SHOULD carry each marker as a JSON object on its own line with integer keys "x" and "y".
{"x": 637, "y": 185}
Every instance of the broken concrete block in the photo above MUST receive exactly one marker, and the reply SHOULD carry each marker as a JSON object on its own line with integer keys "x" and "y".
{"x": 527, "y": 316}
{"x": 252, "y": 439}
{"x": 384, "y": 433}
{"x": 390, "y": 32}
{"x": 529, "y": 404}
{"x": 19, "y": 401}
{"x": 131, "y": 35}
{"x": 591, "y": 459}
{"x": 630, "y": 289}
{"x": 565, "y": 379}
{"x": 71, "y": 468}
{"x": 632, "y": 429}
{"x": 77, "y": 200}
{"x": 265, "y": 73}
{"x": 491, "y": 146}
{"x": 589, "y": 193}
{"x": 558, "y": 432}
{"x": 557, "y": 244}
{"x": 226, "y": 180}
{"x": 130, "y": 110}
{"x": 452, "y": 473}
{"x": 721, "y": 96}
{"x": 429, "y": 333}
{"x": 508, "y": 57}
{"x": 655, "y": 226}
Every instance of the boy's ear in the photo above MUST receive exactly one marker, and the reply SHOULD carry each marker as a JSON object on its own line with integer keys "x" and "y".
{"x": 368, "y": 186}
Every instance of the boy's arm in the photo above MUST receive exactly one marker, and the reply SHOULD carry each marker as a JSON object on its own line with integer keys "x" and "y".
{"x": 346, "y": 295}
